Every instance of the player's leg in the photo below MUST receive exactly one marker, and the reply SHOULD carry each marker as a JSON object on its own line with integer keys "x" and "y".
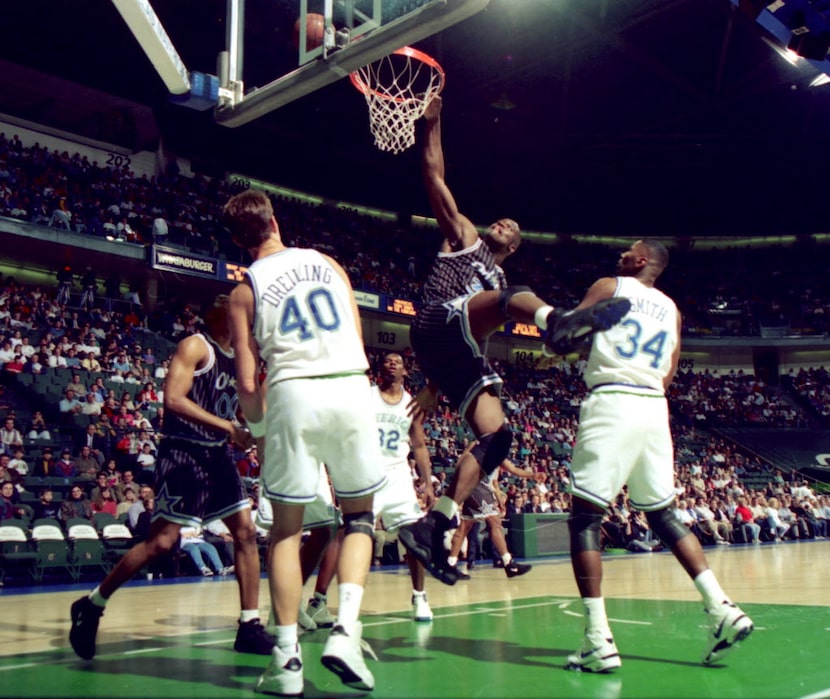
{"x": 343, "y": 653}
{"x": 461, "y": 532}
{"x": 511, "y": 567}
{"x": 86, "y": 612}
{"x": 251, "y": 636}
{"x": 324, "y": 551}
{"x": 598, "y": 652}
{"x": 284, "y": 674}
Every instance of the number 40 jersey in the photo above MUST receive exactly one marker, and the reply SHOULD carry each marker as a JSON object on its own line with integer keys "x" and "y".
{"x": 638, "y": 351}
{"x": 304, "y": 324}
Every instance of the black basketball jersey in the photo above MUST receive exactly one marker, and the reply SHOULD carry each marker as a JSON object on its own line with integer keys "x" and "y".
{"x": 214, "y": 389}
{"x": 462, "y": 273}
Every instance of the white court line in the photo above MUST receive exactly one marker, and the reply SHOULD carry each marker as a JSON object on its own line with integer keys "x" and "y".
{"x": 821, "y": 694}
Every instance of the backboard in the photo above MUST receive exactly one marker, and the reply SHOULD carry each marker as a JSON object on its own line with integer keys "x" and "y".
{"x": 357, "y": 32}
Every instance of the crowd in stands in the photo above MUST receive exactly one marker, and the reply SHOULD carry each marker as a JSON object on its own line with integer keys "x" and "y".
{"x": 97, "y": 369}
{"x": 67, "y": 191}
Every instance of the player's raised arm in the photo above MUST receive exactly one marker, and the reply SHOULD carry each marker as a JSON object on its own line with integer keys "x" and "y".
{"x": 458, "y": 230}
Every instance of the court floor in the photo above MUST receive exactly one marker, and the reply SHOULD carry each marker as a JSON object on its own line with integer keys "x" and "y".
{"x": 491, "y": 637}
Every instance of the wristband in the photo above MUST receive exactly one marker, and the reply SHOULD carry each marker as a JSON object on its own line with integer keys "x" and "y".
{"x": 257, "y": 429}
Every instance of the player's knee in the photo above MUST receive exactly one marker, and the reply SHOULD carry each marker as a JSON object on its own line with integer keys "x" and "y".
{"x": 586, "y": 531}
{"x": 666, "y": 526}
{"x": 506, "y": 294}
{"x": 492, "y": 449}
{"x": 359, "y": 523}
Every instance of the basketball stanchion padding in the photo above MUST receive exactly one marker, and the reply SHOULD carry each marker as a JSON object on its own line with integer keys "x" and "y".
{"x": 398, "y": 88}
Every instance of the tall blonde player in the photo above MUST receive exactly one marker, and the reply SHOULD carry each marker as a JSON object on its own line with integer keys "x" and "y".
{"x": 296, "y": 311}
{"x": 624, "y": 437}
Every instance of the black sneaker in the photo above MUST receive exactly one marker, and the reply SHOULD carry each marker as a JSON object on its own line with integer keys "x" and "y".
{"x": 460, "y": 574}
{"x": 498, "y": 563}
{"x": 251, "y": 637}
{"x": 424, "y": 539}
{"x": 85, "y": 617}
{"x": 567, "y": 330}
{"x": 514, "y": 569}
{"x": 471, "y": 564}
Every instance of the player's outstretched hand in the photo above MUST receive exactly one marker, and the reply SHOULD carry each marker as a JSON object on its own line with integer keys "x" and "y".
{"x": 433, "y": 109}
{"x": 424, "y": 404}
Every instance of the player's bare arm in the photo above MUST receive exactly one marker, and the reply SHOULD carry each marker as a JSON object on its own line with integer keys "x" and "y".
{"x": 418, "y": 443}
{"x": 424, "y": 403}
{"x": 246, "y": 353}
{"x": 675, "y": 358}
{"x": 458, "y": 230}
{"x": 601, "y": 289}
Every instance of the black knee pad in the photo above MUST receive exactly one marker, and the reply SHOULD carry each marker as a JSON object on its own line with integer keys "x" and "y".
{"x": 492, "y": 449}
{"x": 506, "y": 294}
{"x": 585, "y": 529}
{"x": 666, "y": 525}
{"x": 359, "y": 523}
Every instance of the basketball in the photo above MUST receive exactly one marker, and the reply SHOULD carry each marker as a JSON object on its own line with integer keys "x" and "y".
{"x": 314, "y": 31}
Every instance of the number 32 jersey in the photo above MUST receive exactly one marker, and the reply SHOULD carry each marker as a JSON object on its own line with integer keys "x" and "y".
{"x": 304, "y": 320}
{"x": 638, "y": 351}
{"x": 394, "y": 423}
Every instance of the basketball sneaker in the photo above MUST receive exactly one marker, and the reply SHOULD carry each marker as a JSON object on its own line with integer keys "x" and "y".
{"x": 85, "y": 618}
{"x": 595, "y": 655}
{"x": 251, "y": 637}
{"x": 420, "y": 607}
{"x": 513, "y": 569}
{"x": 460, "y": 574}
{"x": 567, "y": 330}
{"x": 730, "y": 626}
{"x": 305, "y": 621}
{"x": 424, "y": 539}
{"x": 319, "y": 613}
{"x": 343, "y": 655}
{"x": 284, "y": 674}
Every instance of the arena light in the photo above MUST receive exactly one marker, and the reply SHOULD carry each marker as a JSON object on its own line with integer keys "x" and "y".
{"x": 149, "y": 32}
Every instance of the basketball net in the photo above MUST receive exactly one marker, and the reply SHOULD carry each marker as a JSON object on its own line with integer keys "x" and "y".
{"x": 398, "y": 88}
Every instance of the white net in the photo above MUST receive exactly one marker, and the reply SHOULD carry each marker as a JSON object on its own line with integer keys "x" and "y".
{"x": 397, "y": 88}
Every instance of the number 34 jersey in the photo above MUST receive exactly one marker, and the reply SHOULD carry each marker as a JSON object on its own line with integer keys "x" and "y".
{"x": 304, "y": 319}
{"x": 638, "y": 351}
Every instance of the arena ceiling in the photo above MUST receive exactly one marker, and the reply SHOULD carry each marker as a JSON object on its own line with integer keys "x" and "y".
{"x": 669, "y": 117}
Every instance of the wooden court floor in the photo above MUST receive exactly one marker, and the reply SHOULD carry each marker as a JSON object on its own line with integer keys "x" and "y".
{"x": 491, "y": 637}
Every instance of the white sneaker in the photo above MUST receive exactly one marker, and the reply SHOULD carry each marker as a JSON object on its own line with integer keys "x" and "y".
{"x": 730, "y": 626}
{"x": 343, "y": 655}
{"x": 305, "y": 621}
{"x": 320, "y": 614}
{"x": 227, "y": 570}
{"x": 206, "y": 572}
{"x": 284, "y": 674}
{"x": 595, "y": 655}
{"x": 420, "y": 607}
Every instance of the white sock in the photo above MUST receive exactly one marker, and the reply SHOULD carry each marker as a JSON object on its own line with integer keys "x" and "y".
{"x": 709, "y": 587}
{"x": 348, "y": 611}
{"x": 452, "y": 560}
{"x": 97, "y": 598}
{"x": 506, "y": 558}
{"x": 287, "y": 638}
{"x": 596, "y": 620}
{"x": 248, "y": 615}
{"x": 322, "y": 596}
{"x": 541, "y": 316}
{"x": 419, "y": 593}
{"x": 446, "y": 506}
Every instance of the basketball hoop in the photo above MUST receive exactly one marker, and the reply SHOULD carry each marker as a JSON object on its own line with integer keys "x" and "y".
{"x": 398, "y": 88}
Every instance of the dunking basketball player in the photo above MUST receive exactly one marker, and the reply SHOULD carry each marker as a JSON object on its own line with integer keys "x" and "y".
{"x": 465, "y": 299}
{"x": 624, "y": 438}
{"x": 196, "y": 481}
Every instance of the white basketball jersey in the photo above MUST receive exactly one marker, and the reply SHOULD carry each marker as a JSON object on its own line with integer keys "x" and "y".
{"x": 393, "y": 429}
{"x": 637, "y": 351}
{"x": 304, "y": 323}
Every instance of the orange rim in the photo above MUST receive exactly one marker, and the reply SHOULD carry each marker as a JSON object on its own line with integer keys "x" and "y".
{"x": 408, "y": 51}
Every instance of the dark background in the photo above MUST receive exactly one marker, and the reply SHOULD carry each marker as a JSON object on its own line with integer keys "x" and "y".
{"x": 669, "y": 117}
